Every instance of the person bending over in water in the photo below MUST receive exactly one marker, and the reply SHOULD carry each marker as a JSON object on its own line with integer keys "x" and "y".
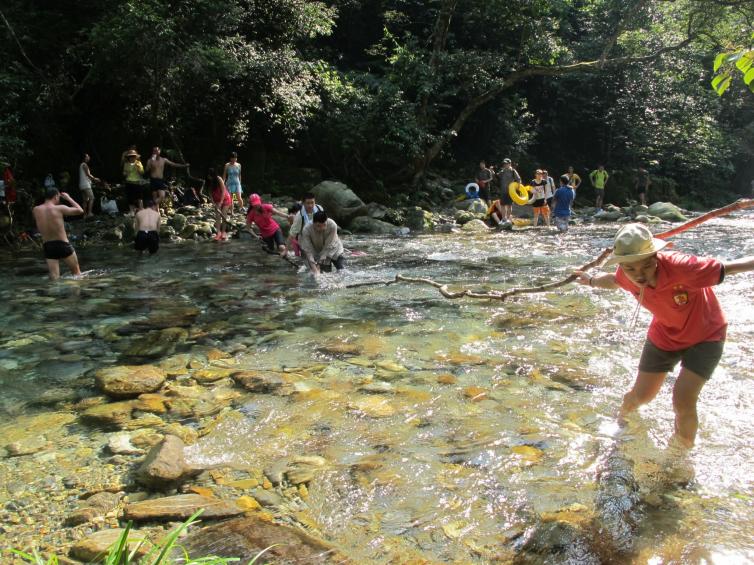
{"x": 261, "y": 215}
{"x": 223, "y": 202}
{"x": 147, "y": 228}
{"x": 688, "y": 325}
{"x": 49, "y": 218}
{"x": 320, "y": 244}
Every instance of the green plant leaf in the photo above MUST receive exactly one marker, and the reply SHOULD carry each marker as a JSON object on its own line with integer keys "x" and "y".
{"x": 718, "y": 61}
{"x": 723, "y": 86}
{"x": 745, "y": 62}
{"x": 749, "y": 77}
{"x": 718, "y": 79}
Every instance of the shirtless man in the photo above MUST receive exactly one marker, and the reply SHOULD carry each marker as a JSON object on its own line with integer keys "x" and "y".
{"x": 147, "y": 228}
{"x": 156, "y": 170}
{"x": 49, "y": 219}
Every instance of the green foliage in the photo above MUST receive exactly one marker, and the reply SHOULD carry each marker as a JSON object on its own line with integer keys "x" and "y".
{"x": 729, "y": 63}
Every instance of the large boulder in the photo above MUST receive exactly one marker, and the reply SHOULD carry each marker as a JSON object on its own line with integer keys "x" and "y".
{"x": 608, "y": 215}
{"x": 667, "y": 211}
{"x": 244, "y": 538}
{"x": 418, "y": 219}
{"x": 365, "y": 224}
{"x": 165, "y": 465}
{"x": 339, "y": 201}
{"x": 124, "y": 381}
{"x": 178, "y": 221}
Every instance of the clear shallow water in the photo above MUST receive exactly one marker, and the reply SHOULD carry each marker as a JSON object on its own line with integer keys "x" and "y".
{"x": 417, "y": 468}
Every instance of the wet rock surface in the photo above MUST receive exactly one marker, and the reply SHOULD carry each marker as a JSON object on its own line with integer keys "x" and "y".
{"x": 126, "y": 381}
{"x": 180, "y": 507}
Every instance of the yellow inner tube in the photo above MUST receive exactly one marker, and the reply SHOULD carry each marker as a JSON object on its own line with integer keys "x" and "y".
{"x": 519, "y": 193}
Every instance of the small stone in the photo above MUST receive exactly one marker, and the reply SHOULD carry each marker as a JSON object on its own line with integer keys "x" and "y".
{"x": 150, "y": 402}
{"x": 121, "y": 444}
{"x": 475, "y": 393}
{"x": 215, "y": 354}
{"x": 129, "y": 380}
{"x": 258, "y": 381}
{"x": 268, "y": 498}
{"x": 211, "y": 375}
{"x": 373, "y": 406}
{"x": 341, "y": 348}
{"x": 244, "y": 484}
{"x": 203, "y": 491}
{"x": 447, "y": 379}
{"x": 275, "y": 471}
{"x": 165, "y": 465}
{"x": 110, "y": 414}
{"x": 247, "y": 503}
{"x": 302, "y": 469}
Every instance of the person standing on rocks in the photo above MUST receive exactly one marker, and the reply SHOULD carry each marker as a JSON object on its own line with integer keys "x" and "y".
{"x": 132, "y": 173}
{"x": 642, "y": 184}
{"x": 147, "y": 228}
{"x": 49, "y": 217}
{"x": 156, "y": 170}
{"x": 85, "y": 185}
{"x": 538, "y": 200}
{"x": 598, "y": 178}
{"x": 688, "y": 326}
{"x": 483, "y": 179}
{"x": 574, "y": 180}
{"x": 505, "y": 177}
{"x": 321, "y": 246}
{"x": 232, "y": 179}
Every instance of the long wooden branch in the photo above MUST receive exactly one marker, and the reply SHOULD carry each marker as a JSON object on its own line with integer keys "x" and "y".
{"x": 595, "y": 263}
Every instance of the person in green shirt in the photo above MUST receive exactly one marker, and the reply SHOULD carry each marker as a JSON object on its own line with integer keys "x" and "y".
{"x": 598, "y": 178}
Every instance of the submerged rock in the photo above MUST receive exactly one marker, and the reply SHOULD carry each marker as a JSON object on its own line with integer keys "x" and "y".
{"x": 110, "y": 414}
{"x": 245, "y": 537}
{"x": 94, "y": 548}
{"x": 124, "y": 381}
{"x": 180, "y": 507}
{"x": 258, "y": 381}
{"x": 165, "y": 465}
{"x": 418, "y": 219}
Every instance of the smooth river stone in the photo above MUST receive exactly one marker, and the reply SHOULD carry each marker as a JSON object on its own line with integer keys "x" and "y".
{"x": 93, "y": 549}
{"x": 244, "y": 538}
{"x": 180, "y": 507}
{"x": 110, "y": 414}
{"x": 124, "y": 381}
{"x": 165, "y": 465}
{"x": 374, "y": 406}
{"x": 258, "y": 381}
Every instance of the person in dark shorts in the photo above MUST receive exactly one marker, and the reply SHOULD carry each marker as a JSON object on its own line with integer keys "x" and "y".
{"x": 505, "y": 177}
{"x": 132, "y": 173}
{"x": 147, "y": 228}
{"x": 688, "y": 324}
{"x": 261, "y": 215}
{"x": 49, "y": 218}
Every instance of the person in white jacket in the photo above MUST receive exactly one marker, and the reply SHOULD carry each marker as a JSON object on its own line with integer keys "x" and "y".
{"x": 320, "y": 245}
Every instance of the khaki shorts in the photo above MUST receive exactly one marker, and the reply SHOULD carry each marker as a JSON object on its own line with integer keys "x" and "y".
{"x": 701, "y": 358}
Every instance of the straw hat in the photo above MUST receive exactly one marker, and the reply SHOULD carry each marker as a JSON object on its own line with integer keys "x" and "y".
{"x": 634, "y": 242}
{"x": 132, "y": 153}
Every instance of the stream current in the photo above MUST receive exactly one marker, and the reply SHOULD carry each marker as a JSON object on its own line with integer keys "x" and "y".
{"x": 450, "y": 427}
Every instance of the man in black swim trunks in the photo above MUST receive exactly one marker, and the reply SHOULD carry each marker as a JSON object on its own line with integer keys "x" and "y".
{"x": 49, "y": 217}
{"x": 156, "y": 170}
{"x": 147, "y": 228}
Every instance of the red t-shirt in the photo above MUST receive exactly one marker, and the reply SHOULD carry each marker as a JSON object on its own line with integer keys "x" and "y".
{"x": 221, "y": 196}
{"x": 686, "y": 310}
{"x": 267, "y": 226}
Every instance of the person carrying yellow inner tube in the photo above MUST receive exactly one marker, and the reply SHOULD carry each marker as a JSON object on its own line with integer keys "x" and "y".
{"x": 519, "y": 193}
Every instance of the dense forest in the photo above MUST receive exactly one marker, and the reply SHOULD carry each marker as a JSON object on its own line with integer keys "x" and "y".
{"x": 383, "y": 94}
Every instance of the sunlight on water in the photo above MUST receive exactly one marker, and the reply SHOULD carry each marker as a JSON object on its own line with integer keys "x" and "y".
{"x": 451, "y": 429}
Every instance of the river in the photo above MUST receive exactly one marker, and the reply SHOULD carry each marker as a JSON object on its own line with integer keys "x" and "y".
{"x": 451, "y": 428}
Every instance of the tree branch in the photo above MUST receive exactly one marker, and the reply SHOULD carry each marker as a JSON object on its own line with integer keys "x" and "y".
{"x": 18, "y": 43}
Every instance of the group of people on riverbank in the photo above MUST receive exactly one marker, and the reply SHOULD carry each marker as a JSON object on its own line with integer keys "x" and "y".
{"x": 550, "y": 200}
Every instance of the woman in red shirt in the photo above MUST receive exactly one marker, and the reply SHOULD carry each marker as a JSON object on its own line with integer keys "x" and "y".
{"x": 688, "y": 324}
{"x": 223, "y": 203}
{"x": 261, "y": 215}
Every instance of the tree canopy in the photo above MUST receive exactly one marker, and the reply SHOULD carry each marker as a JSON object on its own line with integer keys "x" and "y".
{"x": 378, "y": 93}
